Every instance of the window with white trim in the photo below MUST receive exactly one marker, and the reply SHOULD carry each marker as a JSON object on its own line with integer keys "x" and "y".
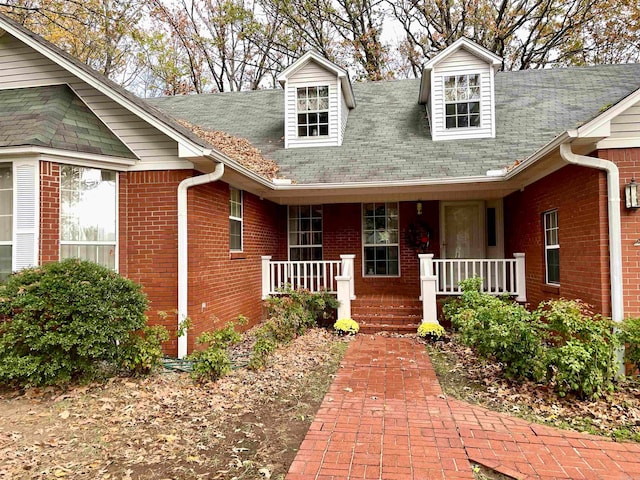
{"x": 88, "y": 214}
{"x": 551, "y": 247}
{"x": 313, "y": 111}
{"x": 305, "y": 232}
{"x": 235, "y": 219}
{"x": 462, "y": 101}
{"x": 6, "y": 220}
{"x": 380, "y": 239}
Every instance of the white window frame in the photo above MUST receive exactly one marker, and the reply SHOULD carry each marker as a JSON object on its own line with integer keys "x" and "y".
{"x": 547, "y": 246}
{"x": 289, "y": 246}
{"x": 11, "y": 242}
{"x": 97, "y": 243}
{"x": 373, "y": 245}
{"x": 239, "y": 219}
{"x": 457, "y": 101}
{"x": 316, "y": 111}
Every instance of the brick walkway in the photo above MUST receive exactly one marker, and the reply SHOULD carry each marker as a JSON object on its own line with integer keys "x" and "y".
{"x": 385, "y": 417}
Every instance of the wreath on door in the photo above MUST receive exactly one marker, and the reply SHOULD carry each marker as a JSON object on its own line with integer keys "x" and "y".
{"x": 418, "y": 236}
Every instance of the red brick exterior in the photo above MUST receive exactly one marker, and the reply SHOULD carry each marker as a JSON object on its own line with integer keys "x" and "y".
{"x": 224, "y": 285}
{"x": 628, "y": 162}
{"x": 579, "y": 195}
{"x": 49, "y": 212}
{"x": 342, "y": 234}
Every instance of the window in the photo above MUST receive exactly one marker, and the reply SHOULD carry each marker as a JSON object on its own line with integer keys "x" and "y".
{"x": 380, "y": 239}
{"x": 88, "y": 214}
{"x": 305, "y": 232}
{"x": 313, "y": 111}
{"x": 6, "y": 219}
{"x": 235, "y": 219}
{"x": 462, "y": 101}
{"x": 552, "y": 247}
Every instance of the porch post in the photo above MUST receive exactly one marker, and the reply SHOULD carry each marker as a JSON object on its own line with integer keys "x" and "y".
{"x": 266, "y": 276}
{"x": 347, "y": 265}
{"x": 428, "y": 290}
{"x": 521, "y": 279}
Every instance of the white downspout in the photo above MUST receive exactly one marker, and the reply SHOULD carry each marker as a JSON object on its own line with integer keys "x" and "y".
{"x": 183, "y": 248}
{"x": 615, "y": 235}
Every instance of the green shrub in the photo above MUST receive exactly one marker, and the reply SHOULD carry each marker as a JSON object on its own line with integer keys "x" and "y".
{"x": 580, "y": 351}
{"x": 290, "y": 314}
{"x": 431, "y": 331}
{"x": 630, "y": 336}
{"x": 143, "y": 350}
{"x": 212, "y": 362}
{"x": 63, "y": 321}
{"x": 346, "y": 326}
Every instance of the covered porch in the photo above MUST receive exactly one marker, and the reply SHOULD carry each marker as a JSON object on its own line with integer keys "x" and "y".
{"x": 438, "y": 278}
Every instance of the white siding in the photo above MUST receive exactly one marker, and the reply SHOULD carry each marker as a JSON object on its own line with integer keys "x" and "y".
{"x": 461, "y": 62}
{"x": 627, "y": 124}
{"x": 311, "y": 74}
{"x": 21, "y": 66}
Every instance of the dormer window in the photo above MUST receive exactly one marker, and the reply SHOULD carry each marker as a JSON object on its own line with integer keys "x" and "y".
{"x": 462, "y": 101}
{"x": 313, "y": 111}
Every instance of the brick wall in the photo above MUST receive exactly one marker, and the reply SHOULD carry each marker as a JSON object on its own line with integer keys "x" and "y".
{"x": 49, "y": 212}
{"x": 224, "y": 285}
{"x": 579, "y": 195}
{"x": 342, "y": 225}
{"x": 628, "y": 162}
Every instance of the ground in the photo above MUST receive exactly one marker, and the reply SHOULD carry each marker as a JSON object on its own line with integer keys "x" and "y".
{"x": 464, "y": 376}
{"x": 248, "y": 425}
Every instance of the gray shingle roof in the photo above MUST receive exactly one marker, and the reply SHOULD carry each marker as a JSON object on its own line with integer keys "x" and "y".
{"x": 387, "y": 135}
{"x": 53, "y": 116}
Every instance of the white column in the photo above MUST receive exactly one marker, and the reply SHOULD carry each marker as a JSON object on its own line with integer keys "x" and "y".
{"x": 521, "y": 279}
{"x": 429, "y": 304}
{"x": 266, "y": 276}
{"x": 347, "y": 266}
{"x": 426, "y": 266}
{"x": 344, "y": 296}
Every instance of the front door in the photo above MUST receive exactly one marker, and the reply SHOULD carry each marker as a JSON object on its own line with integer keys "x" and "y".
{"x": 462, "y": 235}
{"x": 462, "y": 229}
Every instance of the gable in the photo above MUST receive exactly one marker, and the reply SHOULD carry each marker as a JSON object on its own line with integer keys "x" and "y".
{"x": 312, "y": 72}
{"x": 21, "y": 67}
{"x": 627, "y": 124}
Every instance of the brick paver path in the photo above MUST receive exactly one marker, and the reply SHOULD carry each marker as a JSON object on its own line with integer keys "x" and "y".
{"x": 385, "y": 417}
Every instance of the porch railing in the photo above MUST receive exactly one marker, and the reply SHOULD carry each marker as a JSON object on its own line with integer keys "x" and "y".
{"x": 442, "y": 277}
{"x": 332, "y": 276}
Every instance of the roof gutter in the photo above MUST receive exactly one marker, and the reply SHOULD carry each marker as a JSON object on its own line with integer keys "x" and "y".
{"x": 615, "y": 240}
{"x": 183, "y": 248}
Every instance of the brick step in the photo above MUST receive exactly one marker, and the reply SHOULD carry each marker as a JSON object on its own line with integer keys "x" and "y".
{"x": 362, "y": 303}
{"x": 387, "y": 319}
{"x": 391, "y": 309}
{"x": 375, "y": 328}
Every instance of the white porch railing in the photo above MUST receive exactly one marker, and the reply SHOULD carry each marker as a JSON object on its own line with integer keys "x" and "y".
{"x": 333, "y": 276}
{"x": 442, "y": 277}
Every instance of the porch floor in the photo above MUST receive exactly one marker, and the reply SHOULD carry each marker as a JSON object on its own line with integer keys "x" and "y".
{"x": 387, "y": 312}
{"x": 385, "y": 417}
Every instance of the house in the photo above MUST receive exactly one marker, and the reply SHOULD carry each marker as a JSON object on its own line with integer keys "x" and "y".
{"x": 386, "y": 193}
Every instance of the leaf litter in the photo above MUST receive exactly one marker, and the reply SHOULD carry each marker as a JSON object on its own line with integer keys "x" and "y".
{"x": 467, "y": 377}
{"x": 247, "y": 425}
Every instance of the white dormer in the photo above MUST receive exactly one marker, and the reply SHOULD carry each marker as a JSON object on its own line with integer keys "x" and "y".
{"x": 458, "y": 90}
{"x": 317, "y": 99}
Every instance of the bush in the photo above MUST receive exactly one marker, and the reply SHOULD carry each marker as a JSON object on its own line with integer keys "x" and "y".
{"x": 346, "y": 326}
{"x": 580, "y": 351}
{"x": 213, "y": 362}
{"x": 63, "y": 321}
{"x": 290, "y": 314}
{"x": 630, "y": 336}
{"x": 143, "y": 350}
{"x": 431, "y": 331}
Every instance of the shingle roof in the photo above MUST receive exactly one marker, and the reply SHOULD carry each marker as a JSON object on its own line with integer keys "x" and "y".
{"x": 387, "y": 135}
{"x": 53, "y": 116}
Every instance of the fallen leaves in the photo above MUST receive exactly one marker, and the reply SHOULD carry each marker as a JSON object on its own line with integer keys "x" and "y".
{"x": 247, "y": 425}
{"x": 463, "y": 375}
{"x": 239, "y": 149}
